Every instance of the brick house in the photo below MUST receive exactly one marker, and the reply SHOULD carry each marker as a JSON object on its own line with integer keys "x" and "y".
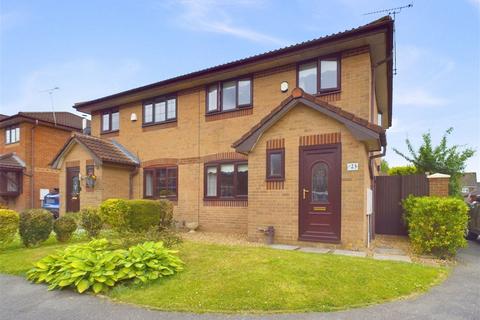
{"x": 291, "y": 138}
{"x": 29, "y": 140}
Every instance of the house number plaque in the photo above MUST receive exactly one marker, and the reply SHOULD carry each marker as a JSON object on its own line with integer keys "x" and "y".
{"x": 352, "y": 166}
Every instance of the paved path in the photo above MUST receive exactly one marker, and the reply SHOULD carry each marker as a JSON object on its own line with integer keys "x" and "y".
{"x": 457, "y": 298}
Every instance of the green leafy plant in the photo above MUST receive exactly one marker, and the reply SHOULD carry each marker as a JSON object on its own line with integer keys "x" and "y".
{"x": 402, "y": 171}
{"x": 96, "y": 266}
{"x": 442, "y": 158}
{"x": 64, "y": 227}
{"x": 436, "y": 225}
{"x": 8, "y": 226}
{"x": 35, "y": 226}
{"x": 168, "y": 237}
{"x": 136, "y": 215}
{"x": 90, "y": 221}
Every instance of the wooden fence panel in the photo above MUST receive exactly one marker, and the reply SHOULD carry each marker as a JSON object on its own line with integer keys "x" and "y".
{"x": 389, "y": 193}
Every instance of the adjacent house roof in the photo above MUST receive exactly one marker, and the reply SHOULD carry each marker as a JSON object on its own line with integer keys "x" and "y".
{"x": 11, "y": 161}
{"x": 102, "y": 151}
{"x": 469, "y": 179}
{"x": 64, "y": 120}
{"x": 3, "y": 116}
{"x": 363, "y": 130}
{"x": 384, "y": 25}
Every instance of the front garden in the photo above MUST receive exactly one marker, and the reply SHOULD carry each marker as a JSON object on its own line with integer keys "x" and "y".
{"x": 153, "y": 267}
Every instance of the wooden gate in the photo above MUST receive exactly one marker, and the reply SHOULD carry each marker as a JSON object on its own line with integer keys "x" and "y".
{"x": 389, "y": 193}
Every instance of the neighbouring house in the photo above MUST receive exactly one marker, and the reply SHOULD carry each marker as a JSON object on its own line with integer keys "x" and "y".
{"x": 29, "y": 141}
{"x": 468, "y": 183}
{"x": 291, "y": 138}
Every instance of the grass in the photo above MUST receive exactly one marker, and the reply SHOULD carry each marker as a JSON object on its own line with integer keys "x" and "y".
{"x": 226, "y": 278}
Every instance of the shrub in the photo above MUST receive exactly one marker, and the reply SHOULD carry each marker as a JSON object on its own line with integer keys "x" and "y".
{"x": 402, "y": 171}
{"x": 91, "y": 221}
{"x": 136, "y": 215}
{"x": 64, "y": 227}
{"x": 8, "y": 226}
{"x": 167, "y": 236}
{"x": 436, "y": 225}
{"x": 35, "y": 226}
{"x": 96, "y": 266}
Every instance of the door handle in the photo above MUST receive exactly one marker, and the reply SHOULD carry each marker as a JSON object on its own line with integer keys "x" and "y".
{"x": 305, "y": 193}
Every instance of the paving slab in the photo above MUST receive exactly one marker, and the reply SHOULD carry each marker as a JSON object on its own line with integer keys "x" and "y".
{"x": 391, "y": 251}
{"x": 314, "y": 250}
{"x": 391, "y": 257}
{"x": 284, "y": 247}
{"x": 350, "y": 253}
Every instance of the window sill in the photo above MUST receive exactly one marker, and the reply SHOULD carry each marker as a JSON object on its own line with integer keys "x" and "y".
{"x": 113, "y": 133}
{"x": 12, "y": 143}
{"x": 219, "y": 115}
{"x": 212, "y": 113}
{"x": 275, "y": 179}
{"x": 327, "y": 92}
{"x": 144, "y": 125}
{"x": 10, "y": 194}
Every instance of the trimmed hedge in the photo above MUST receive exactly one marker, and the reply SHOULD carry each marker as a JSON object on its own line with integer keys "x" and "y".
{"x": 136, "y": 215}
{"x": 64, "y": 227}
{"x": 90, "y": 221}
{"x": 436, "y": 225}
{"x": 35, "y": 226}
{"x": 8, "y": 226}
{"x": 402, "y": 171}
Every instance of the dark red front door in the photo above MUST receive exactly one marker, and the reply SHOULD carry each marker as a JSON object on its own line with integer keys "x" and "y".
{"x": 320, "y": 193}
{"x": 73, "y": 189}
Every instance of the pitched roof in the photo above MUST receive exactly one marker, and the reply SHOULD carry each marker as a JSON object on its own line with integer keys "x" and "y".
{"x": 385, "y": 21}
{"x": 469, "y": 179}
{"x": 62, "y": 119}
{"x": 103, "y": 150}
{"x": 11, "y": 161}
{"x": 370, "y": 131}
{"x": 3, "y": 116}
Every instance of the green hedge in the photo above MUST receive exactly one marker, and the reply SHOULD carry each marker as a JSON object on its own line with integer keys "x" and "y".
{"x": 402, "y": 171}
{"x": 136, "y": 215}
{"x": 64, "y": 227}
{"x": 35, "y": 226}
{"x": 436, "y": 225}
{"x": 8, "y": 226}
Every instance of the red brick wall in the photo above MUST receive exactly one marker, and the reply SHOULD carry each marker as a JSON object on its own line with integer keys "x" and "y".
{"x": 438, "y": 186}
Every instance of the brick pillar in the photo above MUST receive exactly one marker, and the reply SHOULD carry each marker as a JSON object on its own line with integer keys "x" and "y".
{"x": 438, "y": 184}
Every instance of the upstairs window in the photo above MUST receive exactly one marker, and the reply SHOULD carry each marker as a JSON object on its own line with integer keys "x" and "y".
{"x": 226, "y": 180}
{"x": 12, "y": 134}
{"x": 160, "y": 110}
{"x": 160, "y": 183}
{"x": 229, "y": 95}
{"x": 319, "y": 76}
{"x": 110, "y": 121}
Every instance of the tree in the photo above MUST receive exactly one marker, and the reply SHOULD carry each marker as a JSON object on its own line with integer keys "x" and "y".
{"x": 442, "y": 158}
{"x": 384, "y": 166}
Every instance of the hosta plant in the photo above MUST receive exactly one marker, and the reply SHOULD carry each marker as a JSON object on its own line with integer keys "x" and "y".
{"x": 96, "y": 266}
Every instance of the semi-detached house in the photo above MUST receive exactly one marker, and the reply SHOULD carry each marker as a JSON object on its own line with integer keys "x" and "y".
{"x": 290, "y": 138}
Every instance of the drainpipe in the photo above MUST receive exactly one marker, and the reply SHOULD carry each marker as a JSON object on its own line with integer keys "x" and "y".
{"x": 133, "y": 173}
{"x": 32, "y": 165}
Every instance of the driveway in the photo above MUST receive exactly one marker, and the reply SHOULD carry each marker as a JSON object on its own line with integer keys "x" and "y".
{"x": 457, "y": 298}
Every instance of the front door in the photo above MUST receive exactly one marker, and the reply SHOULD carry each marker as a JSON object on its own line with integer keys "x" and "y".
{"x": 73, "y": 189}
{"x": 320, "y": 197}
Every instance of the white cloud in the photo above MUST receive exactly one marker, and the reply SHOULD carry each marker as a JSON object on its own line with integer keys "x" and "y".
{"x": 419, "y": 98}
{"x": 213, "y": 16}
{"x": 475, "y": 2}
{"x": 78, "y": 80}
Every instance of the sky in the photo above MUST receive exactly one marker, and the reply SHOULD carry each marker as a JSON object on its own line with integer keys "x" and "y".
{"x": 89, "y": 49}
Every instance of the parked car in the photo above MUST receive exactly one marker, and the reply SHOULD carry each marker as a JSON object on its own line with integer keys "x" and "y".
{"x": 473, "y": 229}
{"x": 51, "y": 202}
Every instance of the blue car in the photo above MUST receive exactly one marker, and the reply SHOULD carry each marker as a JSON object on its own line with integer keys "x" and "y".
{"x": 51, "y": 202}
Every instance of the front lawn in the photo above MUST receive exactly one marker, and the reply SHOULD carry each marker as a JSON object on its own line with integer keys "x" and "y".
{"x": 226, "y": 278}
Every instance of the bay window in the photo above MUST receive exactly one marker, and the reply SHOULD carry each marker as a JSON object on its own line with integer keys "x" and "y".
{"x": 160, "y": 183}
{"x": 226, "y": 180}
{"x": 319, "y": 76}
{"x": 229, "y": 95}
{"x": 10, "y": 182}
{"x": 160, "y": 110}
